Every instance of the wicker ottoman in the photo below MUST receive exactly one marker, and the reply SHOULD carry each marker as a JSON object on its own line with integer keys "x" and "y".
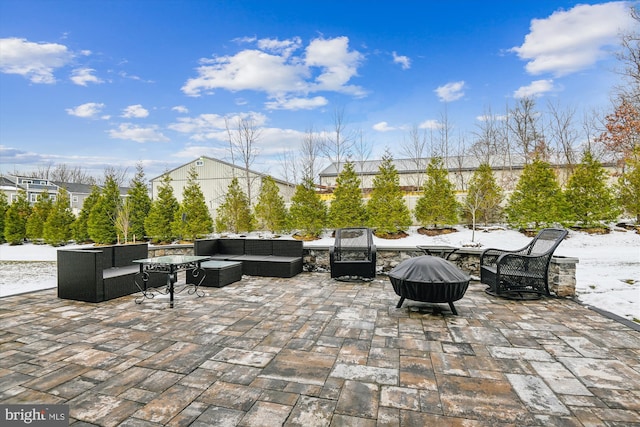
{"x": 217, "y": 273}
{"x": 429, "y": 279}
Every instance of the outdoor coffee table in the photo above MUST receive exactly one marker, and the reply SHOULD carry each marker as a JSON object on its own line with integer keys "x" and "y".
{"x": 429, "y": 279}
{"x": 171, "y": 265}
{"x": 218, "y": 273}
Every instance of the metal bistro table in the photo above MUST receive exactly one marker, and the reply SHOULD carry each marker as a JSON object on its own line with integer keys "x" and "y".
{"x": 444, "y": 251}
{"x": 171, "y": 265}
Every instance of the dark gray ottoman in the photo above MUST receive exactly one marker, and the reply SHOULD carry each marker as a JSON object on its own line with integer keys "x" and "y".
{"x": 217, "y": 274}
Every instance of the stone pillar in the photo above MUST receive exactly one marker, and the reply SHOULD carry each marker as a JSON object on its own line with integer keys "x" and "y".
{"x": 562, "y": 276}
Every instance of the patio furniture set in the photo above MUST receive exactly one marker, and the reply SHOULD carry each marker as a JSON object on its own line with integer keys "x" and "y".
{"x": 103, "y": 273}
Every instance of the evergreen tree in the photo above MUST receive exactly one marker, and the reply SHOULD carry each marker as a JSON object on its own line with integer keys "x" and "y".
{"x": 234, "y": 214}
{"x": 101, "y": 224}
{"x": 628, "y": 187}
{"x": 537, "y": 200}
{"x": 347, "y": 208}
{"x": 57, "y": 228}
{"x": 270, "y": 211}
{"x": 386, "y": 210}
{"x": 308, "y": 212}
{"x": 79, "y": 228}
{"x": 4, "y": 207}
{"x": 162, "y": 213}
{"x": 139, "y": 204}
{"x": 484, "y": 196}
{"x": 438, "y": 205}
{"x": 588, "y": 198}
{"x": 192, "y": 219}
{"x": 39, "y": 213}
{"x": 15, "y": 220}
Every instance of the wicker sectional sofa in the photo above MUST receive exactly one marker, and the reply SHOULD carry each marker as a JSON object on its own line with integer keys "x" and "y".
{"x": 101, "y": 273}
{"x": 259, "y": 257}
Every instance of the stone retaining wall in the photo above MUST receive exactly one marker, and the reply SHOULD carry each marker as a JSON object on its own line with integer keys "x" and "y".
{"x": 562, "y": 272}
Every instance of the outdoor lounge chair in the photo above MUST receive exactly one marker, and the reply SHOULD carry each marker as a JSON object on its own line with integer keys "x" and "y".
{"x": 353, "y": 254}
{"x": 521, "y": 273}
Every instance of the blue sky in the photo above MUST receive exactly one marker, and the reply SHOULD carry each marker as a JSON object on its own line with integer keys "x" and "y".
{"x": 115, "y": 83}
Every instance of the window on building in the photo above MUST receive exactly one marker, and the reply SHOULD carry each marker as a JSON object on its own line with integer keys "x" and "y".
{"x": 199, "y": 162}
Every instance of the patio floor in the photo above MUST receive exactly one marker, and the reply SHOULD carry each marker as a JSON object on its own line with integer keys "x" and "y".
{"x": 315, "y": 352}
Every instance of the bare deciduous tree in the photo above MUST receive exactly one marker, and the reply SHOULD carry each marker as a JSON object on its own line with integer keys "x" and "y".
{"x": 488, "y": 137}
{"x": 524, "y": 127}
{"x": 337, "y": 144}
{"x": 309, "y": 152}
{"x": 563, "y": 134}
{"x": 243, "y": 136}
{"x": 629, "y": 56}
{"x": 361, "y": 151}
{"x": 118, "y": 174}
{"x": 414, "y": 149}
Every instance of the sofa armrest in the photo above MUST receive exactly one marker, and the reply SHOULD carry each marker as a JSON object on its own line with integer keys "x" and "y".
{"x": 290, "y": 248}
{"x": 205, "y": 247}
{"x": 80, "y": 275}
{"x": 123, "y": 255}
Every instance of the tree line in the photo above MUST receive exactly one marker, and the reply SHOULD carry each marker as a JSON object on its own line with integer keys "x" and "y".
{"x": 538, "y": 201}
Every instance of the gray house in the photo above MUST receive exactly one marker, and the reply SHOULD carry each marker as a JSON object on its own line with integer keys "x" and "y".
{"x": 34, "y": 187}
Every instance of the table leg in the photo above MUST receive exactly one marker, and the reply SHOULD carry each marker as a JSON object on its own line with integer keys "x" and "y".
{"x": 172, "y": 279}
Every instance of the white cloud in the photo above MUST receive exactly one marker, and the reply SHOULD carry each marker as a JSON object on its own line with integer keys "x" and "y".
{"x": 451, "y": 91}
{"x": 337, "y": 62}
{"x": 536, "y": 88}
{"x": 284, "y": 47}
{"x": 404, "y": 61}
{"x": 273, "y": 68}
{"x": 383, "y": 127}
{"x": 82, "y": 76}
{"x": 297, "y": 103}
{"x": 430, "y": 124}
{"x": 34, "y": 61}
{"x": 88, "y": 110}
{"x": 132, "y": 132}
{"x": 135, "y": 111}
{"x": 572, "y": 40}
{"x": 213, "y": 126}
{"x": 247, "y": 70}
{"x": 180, "y": 109}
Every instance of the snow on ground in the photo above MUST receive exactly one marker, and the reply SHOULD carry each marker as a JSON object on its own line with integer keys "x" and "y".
{"x": 608, "y": 271}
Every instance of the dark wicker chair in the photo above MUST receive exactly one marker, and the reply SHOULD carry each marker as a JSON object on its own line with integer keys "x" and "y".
{"x": 353, "y": 255}
{"x": 521, "y": 273}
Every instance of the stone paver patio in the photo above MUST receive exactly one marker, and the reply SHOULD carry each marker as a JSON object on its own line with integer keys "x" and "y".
{"x": 310, "y": 351}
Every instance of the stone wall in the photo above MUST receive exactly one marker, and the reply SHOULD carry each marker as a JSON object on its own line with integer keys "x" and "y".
{"x": 562, "y": 272}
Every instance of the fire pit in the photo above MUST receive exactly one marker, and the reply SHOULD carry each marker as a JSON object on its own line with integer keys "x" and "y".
{"x": 429, "y": 279}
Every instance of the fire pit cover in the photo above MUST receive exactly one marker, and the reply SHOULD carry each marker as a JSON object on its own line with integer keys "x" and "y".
{"x": 429, "y": 279}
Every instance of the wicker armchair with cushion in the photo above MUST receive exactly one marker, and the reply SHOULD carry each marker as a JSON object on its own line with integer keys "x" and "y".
{"x": 353, "y": 254}
{"x": 521, "y": 273}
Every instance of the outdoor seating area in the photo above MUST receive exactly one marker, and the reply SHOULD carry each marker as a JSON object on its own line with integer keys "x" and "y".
{"x": 259, "y": 257}
{"x": 311, "y": 350}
